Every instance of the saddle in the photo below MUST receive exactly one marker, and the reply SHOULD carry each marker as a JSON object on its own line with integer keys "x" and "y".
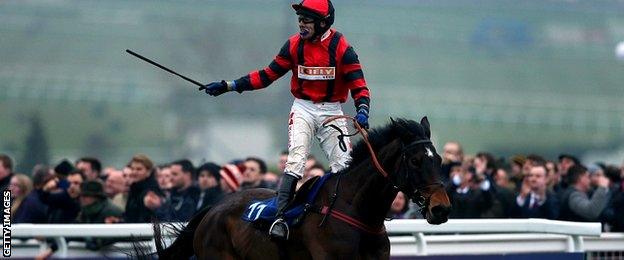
{"x": 261, "y": 213}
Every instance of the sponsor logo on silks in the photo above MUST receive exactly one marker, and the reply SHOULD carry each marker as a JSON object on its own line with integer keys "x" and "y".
{"x": 316, "y": 73}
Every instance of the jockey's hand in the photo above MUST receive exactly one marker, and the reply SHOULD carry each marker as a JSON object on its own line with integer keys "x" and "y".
{"x": 362, "y": 118}
{"x": 216, "y": 88}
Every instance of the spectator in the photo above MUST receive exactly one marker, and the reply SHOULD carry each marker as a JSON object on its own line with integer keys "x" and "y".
{"x": 20, "y": 187}
{"x": 6, "y": 171}
{"x": 503, "y": 196}
{"x": 576, "y": 205}
{"x": 144, "y": 196}
{"x": 116, "y": 188}
{"x": 281, "y": 163}
{"x": 231, "y": 177}
{"x": 470, "y": 196}
{"x": 399, "y": 206}
{"x": 106, "y": 171}
{"x": 63, "y": 205}
{"x": 310, "y": 161}
{"x": 315, "y": 170}
{"x": 210, "y": 191}
{"x": 553, "y": 175}
{"x": 452, "y": 152}
{"x": 531, "y": 161}
{"x": 163, "y": 177}
{"x": 32, "y": 209}
{"x": 534, "y": 200}
{"x": 516, "y": 175}
{"x": 617, "y": 205}
{"x": 253, "y": 176}
{"x": 566, "y": 161}
{"x": 96, "y": 208}
{"x": 595, "y": 174}
{"x": 61, "y": 171}
{"x": 90, "y": 166}
{"x": 281, "y": 166}
{"x": 184, "y": 195}
{"x": 501, "y": 179}
{"x": 484, "y": 165}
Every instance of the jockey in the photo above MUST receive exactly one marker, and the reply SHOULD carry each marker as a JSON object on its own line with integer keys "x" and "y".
{"x": 324, "y": 69}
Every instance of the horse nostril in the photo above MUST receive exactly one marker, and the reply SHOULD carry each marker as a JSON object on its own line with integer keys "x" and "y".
{"x": 440, "y": 211}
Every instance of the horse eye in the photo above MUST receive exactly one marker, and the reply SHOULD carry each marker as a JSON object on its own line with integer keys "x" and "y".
{"x": 414, "y": 161}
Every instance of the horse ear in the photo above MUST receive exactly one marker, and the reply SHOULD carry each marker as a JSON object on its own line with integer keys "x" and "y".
{"x": 425, "y": 124}
{"x": 404, "y": 132}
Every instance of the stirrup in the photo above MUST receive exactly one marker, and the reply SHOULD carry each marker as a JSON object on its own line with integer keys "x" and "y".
{"x": 279, "y": 230}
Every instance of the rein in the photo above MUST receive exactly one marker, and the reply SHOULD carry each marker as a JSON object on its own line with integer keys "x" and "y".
{"x": 364, "y": 134}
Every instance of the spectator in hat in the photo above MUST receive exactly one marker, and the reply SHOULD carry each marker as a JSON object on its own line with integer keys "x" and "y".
{"x": 210, "y": 190}
{"x": 90, "y": 166}
{"x": 96, "y": 208}
{"x": 231, "y": 177}
{"x": 184, "y": 195}
{"x": 32, "y": 209}
{"x": 6, "y": 171}
{"x": 566, "y": 161}
{"x": 595, "y": 174}
{"x": 144, "y": 196}
{"x": 576, "y": 204}
{"x": 63, "y": 205}
{"x": 61, "y": 171}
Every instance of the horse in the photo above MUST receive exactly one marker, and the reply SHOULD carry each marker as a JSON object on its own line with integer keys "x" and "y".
{"x": 351, "y": 206}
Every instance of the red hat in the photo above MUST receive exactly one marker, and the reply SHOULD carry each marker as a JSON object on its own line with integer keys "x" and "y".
{"x": 319, "y": 7}
{"x": 232, "y": 175}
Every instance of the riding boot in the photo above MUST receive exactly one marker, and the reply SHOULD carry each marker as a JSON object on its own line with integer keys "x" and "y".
{"x": 285, "y": 192}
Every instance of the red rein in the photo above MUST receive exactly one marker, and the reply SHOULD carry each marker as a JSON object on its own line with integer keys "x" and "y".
{"x": 364, "y": 134}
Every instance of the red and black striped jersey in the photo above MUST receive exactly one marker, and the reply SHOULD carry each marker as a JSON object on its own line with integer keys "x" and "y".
{"x": 324, "y": 70}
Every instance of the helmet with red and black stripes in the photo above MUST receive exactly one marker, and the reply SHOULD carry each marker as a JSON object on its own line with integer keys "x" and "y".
{"x": 319, "y": 10}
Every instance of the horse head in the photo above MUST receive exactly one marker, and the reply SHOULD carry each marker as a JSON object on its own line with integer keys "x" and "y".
{"x": 417, "y": 173}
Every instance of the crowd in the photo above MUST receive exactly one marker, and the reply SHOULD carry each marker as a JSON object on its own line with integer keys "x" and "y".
{"x": 528, "y": 186}
{"x": 480, "y": 186}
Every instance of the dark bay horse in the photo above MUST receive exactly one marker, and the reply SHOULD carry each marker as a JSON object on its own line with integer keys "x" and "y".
{"x": 359, "y": 198}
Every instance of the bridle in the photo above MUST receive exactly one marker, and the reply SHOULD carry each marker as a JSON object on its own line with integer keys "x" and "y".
{"x": 419, "y": 197}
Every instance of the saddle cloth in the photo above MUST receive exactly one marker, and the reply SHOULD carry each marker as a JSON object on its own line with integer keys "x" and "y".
{"x": 264, "y": 211}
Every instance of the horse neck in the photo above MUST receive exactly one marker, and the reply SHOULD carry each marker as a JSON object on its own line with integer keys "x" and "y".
{"x": 370, "y": 193}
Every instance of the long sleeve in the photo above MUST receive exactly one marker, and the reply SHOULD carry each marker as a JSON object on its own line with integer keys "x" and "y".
{"x": 354, "y": 77}
{"x": 589, "y": 208}
{"x": 264, "y": 77}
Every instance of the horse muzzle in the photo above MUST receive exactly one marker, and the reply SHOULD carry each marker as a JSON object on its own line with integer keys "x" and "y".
{"x": 438, "y": 214}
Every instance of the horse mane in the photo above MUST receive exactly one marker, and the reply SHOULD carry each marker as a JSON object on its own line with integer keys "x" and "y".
{"x": 378, "y": 137}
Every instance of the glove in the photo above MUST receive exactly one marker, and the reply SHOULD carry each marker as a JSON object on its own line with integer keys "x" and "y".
{"x": 215, "y": 88}
{"x": 362, "y": 118}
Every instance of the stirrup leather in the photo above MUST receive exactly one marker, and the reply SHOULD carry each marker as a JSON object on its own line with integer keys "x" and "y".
{"x": 279, "y": 224}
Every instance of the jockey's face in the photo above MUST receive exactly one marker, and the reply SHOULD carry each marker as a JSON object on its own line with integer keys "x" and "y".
{"x": 306, "y": 27}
